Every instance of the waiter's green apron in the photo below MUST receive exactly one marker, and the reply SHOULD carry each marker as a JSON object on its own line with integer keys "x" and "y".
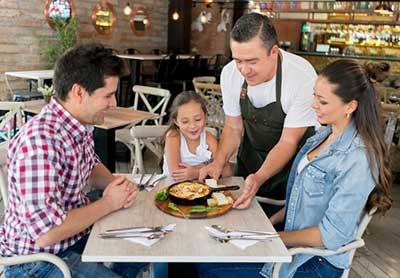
{"x": 262, "y": 130}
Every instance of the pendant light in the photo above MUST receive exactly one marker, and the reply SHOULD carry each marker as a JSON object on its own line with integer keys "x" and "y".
{"x": 127, "y": 9}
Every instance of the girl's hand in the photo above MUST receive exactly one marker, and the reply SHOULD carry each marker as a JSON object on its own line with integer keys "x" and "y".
{"x": 186, "y": 172}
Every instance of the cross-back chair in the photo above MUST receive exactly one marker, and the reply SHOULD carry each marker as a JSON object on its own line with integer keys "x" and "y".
{"x": 46, "y": 257}
{"x": 212, "y": 94}
{"x": 352, "y": 246}
{"x": 154, "y": 100}
{"x": 12, "y": 120}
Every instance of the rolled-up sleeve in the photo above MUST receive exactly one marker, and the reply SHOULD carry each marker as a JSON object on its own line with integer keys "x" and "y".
{"x": 353, "y": 185}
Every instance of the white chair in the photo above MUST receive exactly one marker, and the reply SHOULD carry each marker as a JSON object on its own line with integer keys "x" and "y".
{"x": 150, "y": 137}
{"x": 12, "y": 120}
{"x": 352, "y": 246}
{"x": 125, "y": 135}
{"x": 5, "y": 261}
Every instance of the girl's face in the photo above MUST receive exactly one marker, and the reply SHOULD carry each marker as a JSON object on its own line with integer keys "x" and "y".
{"x": 328, "y": 107}
{"x": 191, "y": 120}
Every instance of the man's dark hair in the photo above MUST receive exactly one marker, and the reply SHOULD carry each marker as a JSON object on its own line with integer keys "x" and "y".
{"x": 254, "y": 24}
{"x": 86, "y": 65}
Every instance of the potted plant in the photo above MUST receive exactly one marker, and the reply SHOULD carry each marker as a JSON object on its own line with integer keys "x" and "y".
{"x": 65, "y": 39}
{"x": 47, "y": 92}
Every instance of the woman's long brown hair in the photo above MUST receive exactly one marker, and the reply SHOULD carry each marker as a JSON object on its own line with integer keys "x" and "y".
{"x": 353, "y": 83}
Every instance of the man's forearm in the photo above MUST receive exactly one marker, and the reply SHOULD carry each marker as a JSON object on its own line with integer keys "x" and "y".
{"x": 77, "y": 220}
{"x": 276, "y": 160}
{"x": 229, "y": 143}
{"x": 100, "y": 176}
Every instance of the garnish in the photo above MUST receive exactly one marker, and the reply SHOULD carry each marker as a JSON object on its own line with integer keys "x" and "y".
{"x": 174, "y": 207}
{"x": 200, "y": 209}
{"x": 162, "y": 195}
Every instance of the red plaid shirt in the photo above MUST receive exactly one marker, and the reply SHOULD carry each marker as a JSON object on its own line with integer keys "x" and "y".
{"x": 49, "y": 163}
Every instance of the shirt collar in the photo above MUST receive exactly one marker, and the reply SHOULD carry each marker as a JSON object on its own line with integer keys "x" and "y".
{"x": 341, "y": 143}
{"x": 69, "y": 123}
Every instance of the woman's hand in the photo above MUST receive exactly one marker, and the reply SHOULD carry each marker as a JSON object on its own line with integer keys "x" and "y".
{"x": 186, "y": 172}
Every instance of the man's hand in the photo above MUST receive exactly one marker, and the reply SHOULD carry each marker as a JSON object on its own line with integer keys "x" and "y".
{"x": 185, "y": 172}
{"x": 251, "y": 186}
{"x": 120, "y": 193}
{"x": 132, "y": 191}
{"x": 212, "y": 170}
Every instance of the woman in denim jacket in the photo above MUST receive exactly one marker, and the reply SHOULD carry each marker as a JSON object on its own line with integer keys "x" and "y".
{"x": 338, "y": 173}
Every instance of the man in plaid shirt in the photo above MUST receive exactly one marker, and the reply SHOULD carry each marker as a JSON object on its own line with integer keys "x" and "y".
{"x": 52, "y": 159}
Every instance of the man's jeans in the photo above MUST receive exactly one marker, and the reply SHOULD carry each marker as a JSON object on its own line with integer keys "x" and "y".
{"x": 314, "y": 268}
{"x": 79, "y": 269}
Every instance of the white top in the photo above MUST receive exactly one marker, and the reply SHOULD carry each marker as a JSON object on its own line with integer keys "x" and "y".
{"x": 298, "y": 78}
{"x": 303, "y": 163}
{"x": 202, "y": 153}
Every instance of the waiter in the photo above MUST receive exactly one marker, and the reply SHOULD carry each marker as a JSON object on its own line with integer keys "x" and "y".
{"x": 267, "y": 94}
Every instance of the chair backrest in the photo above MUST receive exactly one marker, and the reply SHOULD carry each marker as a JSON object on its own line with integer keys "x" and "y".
{"x": 156, "y": 104}
{"x": 202, "y": 79}
{"x": 362, "y": 226}
{"x": 3, "y": 173}
{"x": 11, "y": 120}
{"x": 167, "y": 69}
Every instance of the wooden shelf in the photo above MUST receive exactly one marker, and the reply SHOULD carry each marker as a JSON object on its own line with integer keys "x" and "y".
{"x": 347, "y": 21}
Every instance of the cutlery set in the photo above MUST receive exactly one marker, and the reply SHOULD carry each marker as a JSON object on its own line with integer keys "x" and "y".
{"x": 138, "y": 232}
{"x": 157, "y": 232}
{"x": 227, "y": 234}
{"x": 142, "y": 186}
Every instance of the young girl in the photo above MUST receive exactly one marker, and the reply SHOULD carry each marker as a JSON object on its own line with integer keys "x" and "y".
{"x": 188, "y": 146}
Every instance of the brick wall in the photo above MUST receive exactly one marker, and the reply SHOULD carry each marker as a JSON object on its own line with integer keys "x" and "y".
{"x": 23, "y": 23}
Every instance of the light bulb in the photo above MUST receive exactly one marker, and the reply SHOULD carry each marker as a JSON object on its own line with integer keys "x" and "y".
{"x": 145, "y": 21}
{"x": 175, "y": 15}
{"x": 203, "y": 18}
{"x": 127, "y": 9}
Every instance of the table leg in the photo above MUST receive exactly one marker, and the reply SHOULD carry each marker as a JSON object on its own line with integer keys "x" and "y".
{"x": 104, "y": 146}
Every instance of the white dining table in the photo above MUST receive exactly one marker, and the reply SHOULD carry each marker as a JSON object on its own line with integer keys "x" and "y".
{"x": 189, "y": 242}
{"x": 39, "y": 75}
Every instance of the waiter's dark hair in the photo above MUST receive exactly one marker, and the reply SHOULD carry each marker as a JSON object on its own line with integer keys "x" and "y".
{"x": 254, "y": 24}
{"x": 86, "y": 65}
{"x": 352, "y": 82}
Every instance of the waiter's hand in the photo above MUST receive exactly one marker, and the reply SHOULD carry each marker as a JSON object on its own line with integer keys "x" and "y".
{"x": 212, "y": 170}
{"x": 250, "y": 189}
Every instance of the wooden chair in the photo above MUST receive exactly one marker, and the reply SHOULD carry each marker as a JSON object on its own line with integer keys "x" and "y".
{"x": 6, "y": 261}
{"x": 12, "y": 120}
{"x": 212, "y": 93}
{"x": 352, "y": 246}
{"x": 127, "y": 137}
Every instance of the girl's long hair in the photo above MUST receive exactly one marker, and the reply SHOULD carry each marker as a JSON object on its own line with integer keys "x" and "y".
{"x": 181, "y": 99}
{"x": 353, "y": 83}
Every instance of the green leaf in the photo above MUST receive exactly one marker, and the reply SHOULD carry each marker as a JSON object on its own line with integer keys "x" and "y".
{"x": 174, "y": 207}
{"x": 162, "y": 195}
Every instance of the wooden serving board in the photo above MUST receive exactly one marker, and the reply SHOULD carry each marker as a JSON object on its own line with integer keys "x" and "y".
{"x": 217, "y": 211}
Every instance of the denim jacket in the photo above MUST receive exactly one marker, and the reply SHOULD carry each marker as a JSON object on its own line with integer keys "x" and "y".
{"x": 330, "y": 192}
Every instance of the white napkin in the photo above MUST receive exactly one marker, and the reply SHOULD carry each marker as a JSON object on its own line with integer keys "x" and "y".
{"x": 146, "y": 177}
{"x": 150, "y": 242}
{"x": 242, "y": 244}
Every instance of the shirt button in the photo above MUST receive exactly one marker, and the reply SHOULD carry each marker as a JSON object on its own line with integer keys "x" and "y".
{"x": 288, "y": 221}
{"x": 292, "y": 204}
